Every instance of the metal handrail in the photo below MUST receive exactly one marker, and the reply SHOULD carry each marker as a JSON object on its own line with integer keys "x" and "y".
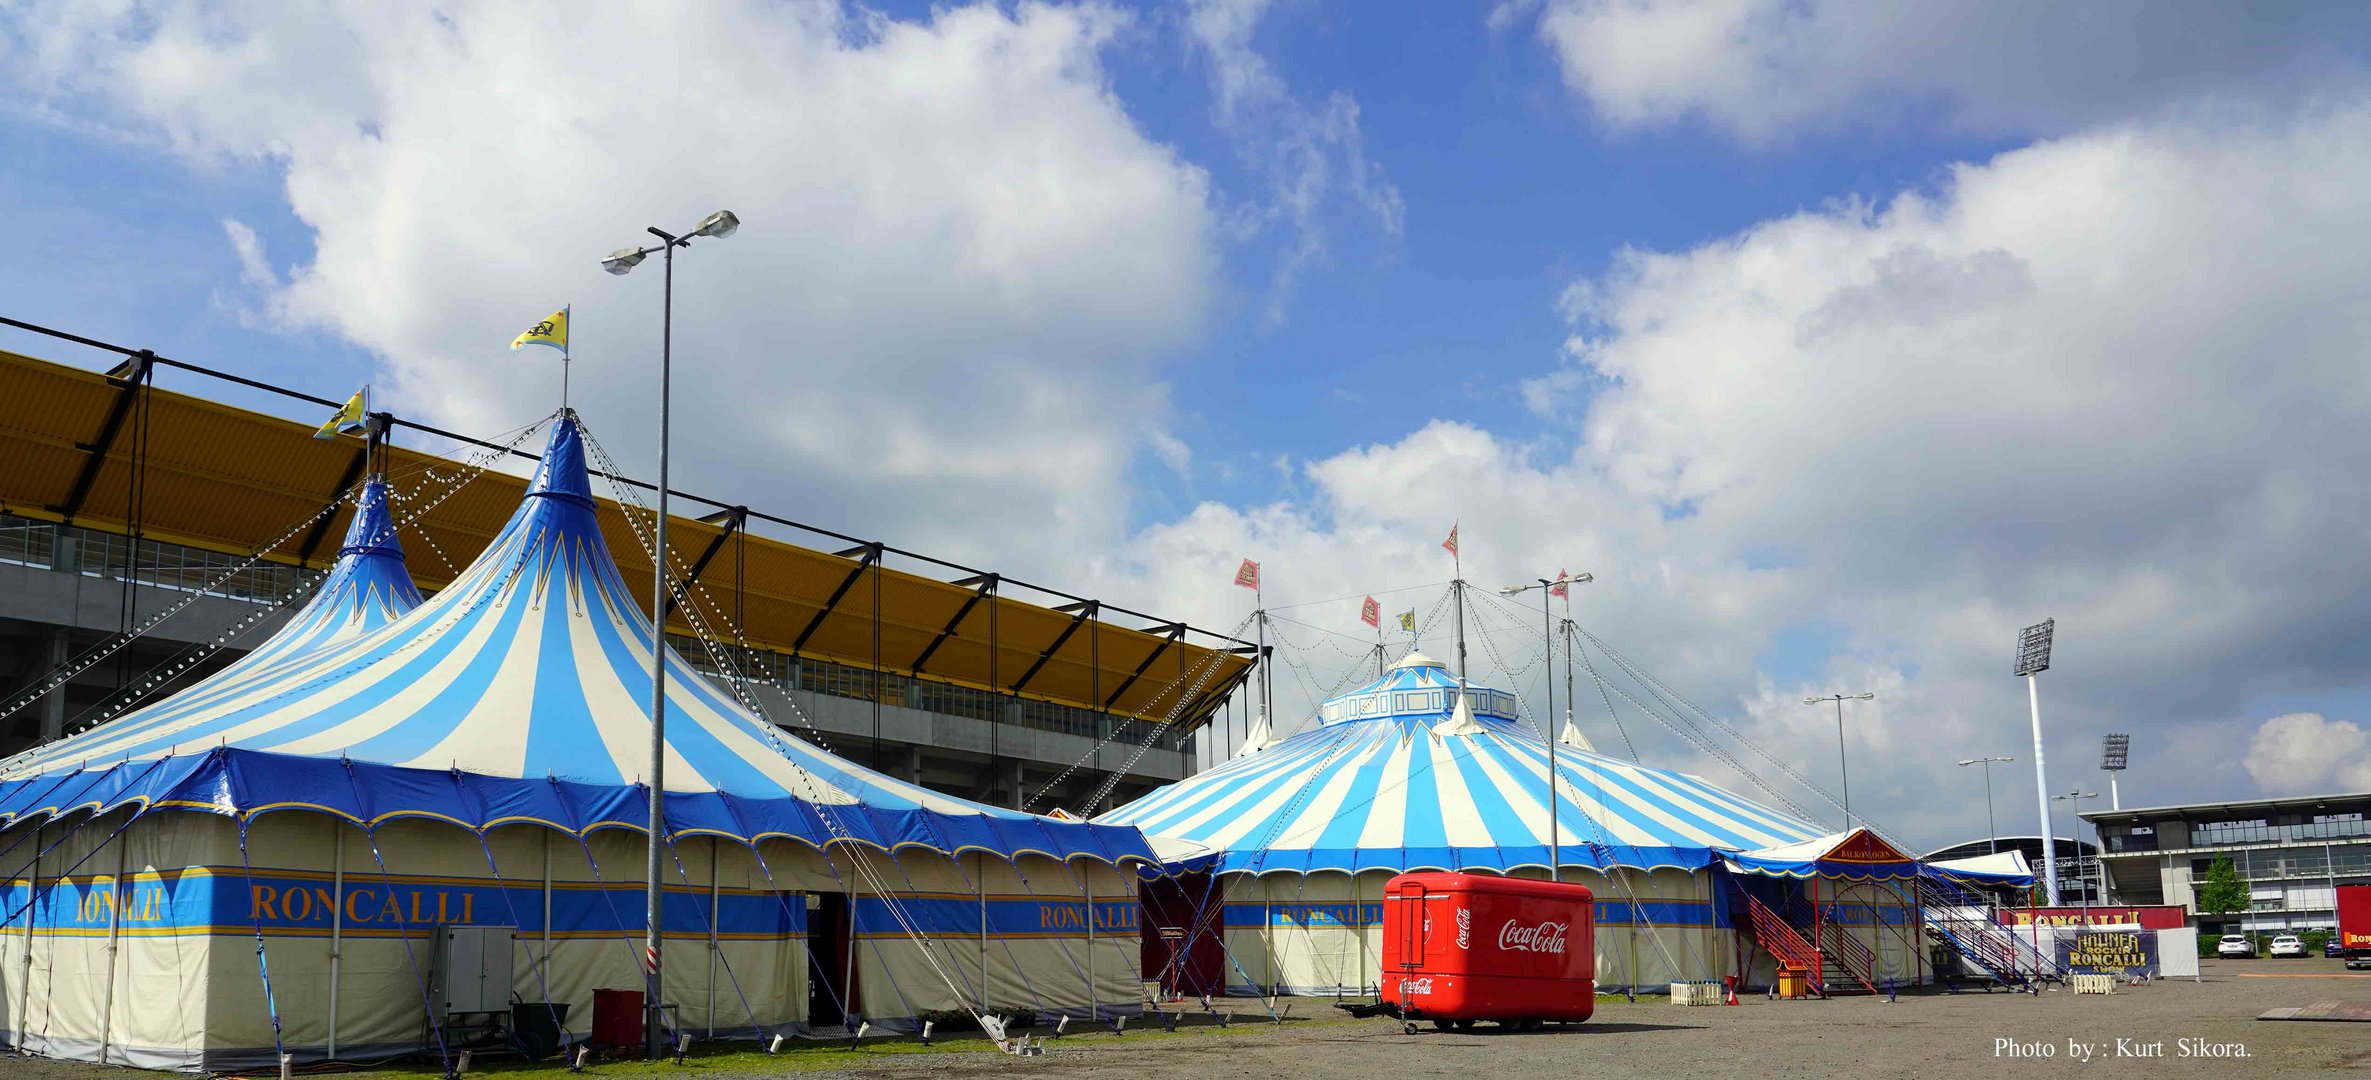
{"x": 1782, "y": 940}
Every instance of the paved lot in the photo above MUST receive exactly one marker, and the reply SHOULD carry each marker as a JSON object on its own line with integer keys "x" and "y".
{"x": 1930, "y": 1035}
{"x": 1927, "y": 1036}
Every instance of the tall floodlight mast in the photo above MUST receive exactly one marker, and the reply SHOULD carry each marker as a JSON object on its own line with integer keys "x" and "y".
{"x": 2033, "y": 658}
{"x": 2113, "y": 753}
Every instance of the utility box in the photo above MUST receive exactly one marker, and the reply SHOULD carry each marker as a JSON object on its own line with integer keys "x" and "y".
{"x": 1465, "y": 947}
{"x": 472, "y": 972}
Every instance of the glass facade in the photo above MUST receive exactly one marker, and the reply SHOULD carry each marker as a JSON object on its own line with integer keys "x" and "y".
{"x": 74, "y": 550}
{"x": 2286, "y": 827}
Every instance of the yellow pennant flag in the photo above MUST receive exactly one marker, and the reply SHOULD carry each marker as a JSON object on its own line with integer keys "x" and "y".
{"x": 347, "y": 420}
{"x": 551, "y": 332}
{"x": 1408, "y": 621}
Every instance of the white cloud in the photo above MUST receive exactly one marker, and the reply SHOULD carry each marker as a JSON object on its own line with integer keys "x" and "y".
{"x": 2306, "y": 754}
{"x": 1764, "y": 69}
{"x": 961, "y": 268}
{"x": 254, "y": 269}
{"x": 1310, "y": 156}
{"x": 2114, "y": 378}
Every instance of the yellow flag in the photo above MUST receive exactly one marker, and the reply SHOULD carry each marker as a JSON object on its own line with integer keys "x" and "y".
{"x": 1408, "y": 621}
{"x": 346, "y": 420}
{"x": 552, "y": 331}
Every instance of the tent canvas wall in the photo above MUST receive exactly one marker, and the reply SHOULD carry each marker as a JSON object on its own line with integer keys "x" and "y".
{"x": 443, "y": 760}
{"x": 1418, "y": 772}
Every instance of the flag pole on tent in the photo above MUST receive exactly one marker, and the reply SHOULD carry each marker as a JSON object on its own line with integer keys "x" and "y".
{"x": 1248, "y": 576}
{"x": 551, "y": 333}
{"x": 1371, "y": 613}
{"x": 1457, "y": 590}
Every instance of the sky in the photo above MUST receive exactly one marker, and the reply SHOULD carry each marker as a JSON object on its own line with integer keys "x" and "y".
{"x": 1837, "y": 341}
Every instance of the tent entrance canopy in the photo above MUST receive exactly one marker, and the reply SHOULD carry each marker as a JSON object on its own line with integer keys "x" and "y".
{"x": 2005, "y": 868}
{"x": 1858, "y": 855}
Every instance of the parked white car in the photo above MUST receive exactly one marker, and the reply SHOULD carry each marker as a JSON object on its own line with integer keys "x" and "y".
{"x": 2239, "y": 945}
{"x": 2288, "y": 945}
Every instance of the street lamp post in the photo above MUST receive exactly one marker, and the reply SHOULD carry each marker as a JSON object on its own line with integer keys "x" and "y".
{"x": 1841, "y": 769}
{"x": 717, "y": 226}
{"x": 1992, "y": 830}
{"x": 1548, "y": 639}
{"x": 2082, "y": 879}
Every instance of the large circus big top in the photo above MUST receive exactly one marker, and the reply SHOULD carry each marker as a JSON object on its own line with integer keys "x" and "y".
{"x": 518, "y": 694}
{"x": 1400, "y": 775}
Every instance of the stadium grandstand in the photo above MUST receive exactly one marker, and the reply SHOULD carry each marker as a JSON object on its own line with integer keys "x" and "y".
{"x": 123, "y": 501}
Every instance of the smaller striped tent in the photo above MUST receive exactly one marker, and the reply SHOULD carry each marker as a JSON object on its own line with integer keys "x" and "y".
{"x": 1406, "y": 774}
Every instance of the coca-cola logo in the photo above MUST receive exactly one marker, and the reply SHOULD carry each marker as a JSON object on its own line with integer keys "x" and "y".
{"x": 1415, "y": 986}
{"x": 1465, "y": 927}
{"x": 1547, "y": 937}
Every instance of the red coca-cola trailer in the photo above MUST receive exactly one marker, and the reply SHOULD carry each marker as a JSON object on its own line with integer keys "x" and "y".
{"x": 1458, "y": 948}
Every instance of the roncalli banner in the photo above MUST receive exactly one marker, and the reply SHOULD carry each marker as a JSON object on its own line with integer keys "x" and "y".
{"x": 2124, "y": 953}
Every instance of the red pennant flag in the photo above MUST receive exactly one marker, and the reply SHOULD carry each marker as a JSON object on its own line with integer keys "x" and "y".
{"x": 1371, "y": 613}
{"x": 1451, "y": 542}
{"x": 1249, "y": 575}
{"x": 1563, "y": 586}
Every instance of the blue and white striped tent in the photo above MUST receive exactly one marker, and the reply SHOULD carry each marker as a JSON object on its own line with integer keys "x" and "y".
{"x": 479, "y": 759}
{"x": 1406, "y": 774}
{"x": 520, "y": 693}
{"x": 1390, "y": 779}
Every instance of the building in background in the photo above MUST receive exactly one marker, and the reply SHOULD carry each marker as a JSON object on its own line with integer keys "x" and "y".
{"x": 2293, "y": 854}
{"x": 121, "y": 501}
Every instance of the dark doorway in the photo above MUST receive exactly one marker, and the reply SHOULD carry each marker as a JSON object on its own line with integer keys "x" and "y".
{"x": 830, "y": 945}
{"x": 1180, "y": 923}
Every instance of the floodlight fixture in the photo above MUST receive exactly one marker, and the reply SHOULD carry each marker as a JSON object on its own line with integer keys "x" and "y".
{"x": 718, "y": 225}
{"x": 1512, "y": 590}
{"x": 623, "y": 260}
{"x": 2115, "y": 751}
{"x": 2033, "y": 648}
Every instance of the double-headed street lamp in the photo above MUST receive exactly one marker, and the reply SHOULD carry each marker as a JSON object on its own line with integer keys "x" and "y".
{"x": 1842, "y": 770}
{"x": 1548, "y": 638}
{"x": 715, "y": 226}
{"x": 2082, "y": 879}
{"x": 1992, "y": 831}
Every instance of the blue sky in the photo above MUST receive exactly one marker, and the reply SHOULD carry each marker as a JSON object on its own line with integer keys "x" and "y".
{"x": 1902, "y": 329}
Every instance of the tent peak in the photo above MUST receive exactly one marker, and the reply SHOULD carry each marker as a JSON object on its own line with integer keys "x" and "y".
{"x": 561, "y": 473}
{"x": 373, "y": 529}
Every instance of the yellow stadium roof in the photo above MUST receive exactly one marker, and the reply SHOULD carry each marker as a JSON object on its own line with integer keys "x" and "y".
{"x": 233, "y": 481}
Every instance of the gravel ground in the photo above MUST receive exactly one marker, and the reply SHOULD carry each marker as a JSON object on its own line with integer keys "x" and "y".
{"x": 1939, "y": 1035}
{"x": 1928, "y": 1035}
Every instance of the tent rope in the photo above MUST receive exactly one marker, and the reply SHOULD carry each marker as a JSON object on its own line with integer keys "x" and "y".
{"x": 542, "y": 983}
{"x": 263, "y": 965}
{"x": 370, "y": 832}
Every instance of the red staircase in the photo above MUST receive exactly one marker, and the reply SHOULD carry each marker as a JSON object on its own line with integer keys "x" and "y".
{"x": 1834, "y": 965}
{"x": 1782, "y": 942}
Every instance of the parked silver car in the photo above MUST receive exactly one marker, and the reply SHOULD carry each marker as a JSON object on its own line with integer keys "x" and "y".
{"x": 2288, "y": 945}
{"x": 2236, "y": 945}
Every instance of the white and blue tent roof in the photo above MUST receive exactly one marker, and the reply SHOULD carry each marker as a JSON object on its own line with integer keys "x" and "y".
{"x": 518, "y": 694}
{"x": 368, "y": 587}
{"x": 1395, "y": 776}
